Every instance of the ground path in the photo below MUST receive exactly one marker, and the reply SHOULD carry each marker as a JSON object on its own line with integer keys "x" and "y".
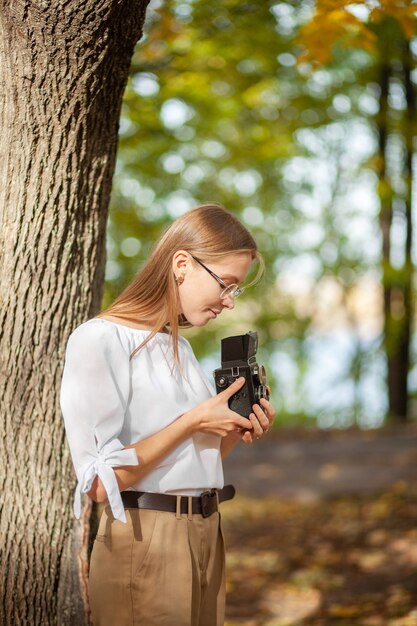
{"x": 323, "y": 532}
{"x": 306, "y": 465}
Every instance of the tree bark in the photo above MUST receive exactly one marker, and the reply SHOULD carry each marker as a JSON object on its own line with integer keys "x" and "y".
{"x": 63, "y": 69}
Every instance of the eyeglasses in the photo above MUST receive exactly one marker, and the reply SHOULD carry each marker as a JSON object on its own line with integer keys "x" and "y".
{"x": 228, "y": 290}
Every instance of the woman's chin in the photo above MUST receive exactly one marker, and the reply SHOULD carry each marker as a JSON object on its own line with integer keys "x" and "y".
{"x": 199, "y": 320}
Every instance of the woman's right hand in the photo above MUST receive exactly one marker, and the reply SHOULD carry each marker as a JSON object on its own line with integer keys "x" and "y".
{"x": 213, "y": 416}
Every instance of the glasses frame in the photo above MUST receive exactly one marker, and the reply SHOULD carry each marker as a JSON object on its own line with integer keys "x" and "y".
{"x": 231, "y": 290}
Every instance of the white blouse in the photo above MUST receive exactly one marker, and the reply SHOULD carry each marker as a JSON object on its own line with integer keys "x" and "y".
{"x": 109, "y": 402}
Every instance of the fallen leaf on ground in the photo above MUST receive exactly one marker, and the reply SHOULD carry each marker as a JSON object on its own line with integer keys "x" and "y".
{"x": 288, "y": 604}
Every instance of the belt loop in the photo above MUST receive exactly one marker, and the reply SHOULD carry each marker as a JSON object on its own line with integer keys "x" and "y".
{"x": 190, "y": 508}
{"x": 178, "y": 511}
{"x": 217, "y": 498}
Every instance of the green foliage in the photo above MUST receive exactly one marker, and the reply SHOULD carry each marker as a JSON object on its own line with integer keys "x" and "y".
{"x": 218, "y": 109}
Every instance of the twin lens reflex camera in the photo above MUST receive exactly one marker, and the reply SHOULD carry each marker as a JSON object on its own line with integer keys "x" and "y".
{"x": 238, "y": 356}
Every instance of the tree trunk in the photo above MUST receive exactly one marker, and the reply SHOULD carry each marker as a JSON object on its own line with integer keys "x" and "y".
{"x": 399, "y": 298}
{"x": 63, "y": 69}
{"x": 385, "y": 219}
{"x": 402, "y": 357}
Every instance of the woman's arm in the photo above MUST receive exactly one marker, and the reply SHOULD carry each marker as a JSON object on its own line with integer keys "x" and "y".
{"x": 228, "y": 443}
{"x": 212, "y": 416}
{"x": 149, "y": 452}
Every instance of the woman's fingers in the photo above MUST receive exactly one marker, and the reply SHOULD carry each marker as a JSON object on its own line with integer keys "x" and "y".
{"x": 258, "y": 431}
{"x": 232, "y": 389}
{"x": 242, "y": 423}
{"x": 247, "y": 437}
{"x": 268, "y": 409}
{"x": 262, "y": 418}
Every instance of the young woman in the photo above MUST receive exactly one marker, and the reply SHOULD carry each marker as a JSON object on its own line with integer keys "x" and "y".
{"x": 147, "y": 432}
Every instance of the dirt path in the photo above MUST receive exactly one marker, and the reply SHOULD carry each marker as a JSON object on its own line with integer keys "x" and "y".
{"x": 308, "y": 465}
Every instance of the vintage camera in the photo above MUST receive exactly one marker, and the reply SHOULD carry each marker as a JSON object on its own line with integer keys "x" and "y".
{"x": 238, "y": 356}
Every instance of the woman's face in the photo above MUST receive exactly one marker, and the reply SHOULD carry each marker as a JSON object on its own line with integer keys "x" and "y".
{"x": 200, "y": 292}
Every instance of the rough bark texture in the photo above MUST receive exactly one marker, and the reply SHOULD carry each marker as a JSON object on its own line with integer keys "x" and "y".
{"x": 63, "y": 69}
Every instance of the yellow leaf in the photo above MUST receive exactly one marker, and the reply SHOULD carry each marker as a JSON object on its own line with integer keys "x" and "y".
{"x": 337, "y": 610}
{"x": 408, "y": 26}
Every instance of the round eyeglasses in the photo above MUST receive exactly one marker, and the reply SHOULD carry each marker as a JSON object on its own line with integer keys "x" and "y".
{"x": 228, "y": 290}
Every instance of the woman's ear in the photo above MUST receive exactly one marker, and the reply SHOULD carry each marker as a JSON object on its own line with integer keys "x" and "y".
{"x": 180, "y": 263}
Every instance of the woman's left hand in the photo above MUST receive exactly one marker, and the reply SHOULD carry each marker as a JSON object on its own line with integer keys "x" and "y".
{"x": 261, "y": 420}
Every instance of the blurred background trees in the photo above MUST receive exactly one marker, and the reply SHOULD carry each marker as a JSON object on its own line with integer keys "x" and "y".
{"x": 300, "y": 118}
{"x": 386, "y": 31}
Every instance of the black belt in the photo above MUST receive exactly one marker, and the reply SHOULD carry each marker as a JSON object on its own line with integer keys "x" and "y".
{"x": 205, "y": 504}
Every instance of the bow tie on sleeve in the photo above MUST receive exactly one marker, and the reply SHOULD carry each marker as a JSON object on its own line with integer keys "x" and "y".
{"x": 112, "y": 454}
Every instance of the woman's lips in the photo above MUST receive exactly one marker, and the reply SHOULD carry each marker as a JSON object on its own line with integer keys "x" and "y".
{"x": 213, "y": 314}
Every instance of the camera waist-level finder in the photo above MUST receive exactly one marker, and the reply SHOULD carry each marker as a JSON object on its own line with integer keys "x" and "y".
{"x": 238, "y": 356}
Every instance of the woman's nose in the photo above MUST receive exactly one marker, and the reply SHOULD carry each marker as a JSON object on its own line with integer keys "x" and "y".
{"x": 229, "y": 301}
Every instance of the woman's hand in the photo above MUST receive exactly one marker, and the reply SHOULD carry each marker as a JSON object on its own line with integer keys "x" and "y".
{"x": 261, "y": 420}
{"x": 214, "y": 416}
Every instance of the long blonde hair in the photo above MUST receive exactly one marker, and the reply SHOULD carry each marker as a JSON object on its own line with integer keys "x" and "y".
{"x": 208, "y": 232}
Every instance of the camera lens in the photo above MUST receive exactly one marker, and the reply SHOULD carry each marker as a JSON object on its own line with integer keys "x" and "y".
{"x": 262, "y": 375}
{"x": 261, "y": 392}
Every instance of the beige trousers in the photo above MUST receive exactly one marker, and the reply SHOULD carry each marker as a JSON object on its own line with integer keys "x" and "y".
{"x": 158, "y": 569}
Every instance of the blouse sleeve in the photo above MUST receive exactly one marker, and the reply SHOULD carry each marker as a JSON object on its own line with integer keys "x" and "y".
{"x": 94, "y": 395}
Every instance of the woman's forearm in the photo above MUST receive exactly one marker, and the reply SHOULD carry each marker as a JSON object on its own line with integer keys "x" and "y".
{"x": 212, "y": 416}
{"x": 150, "y": 452}
{"x": 229, "y": 442}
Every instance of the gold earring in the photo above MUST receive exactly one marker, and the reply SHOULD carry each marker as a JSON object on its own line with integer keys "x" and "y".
{"x": 179, "y": 279}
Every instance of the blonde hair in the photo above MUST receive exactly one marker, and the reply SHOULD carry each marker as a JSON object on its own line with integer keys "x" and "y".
{"x": 208, "y": 232}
